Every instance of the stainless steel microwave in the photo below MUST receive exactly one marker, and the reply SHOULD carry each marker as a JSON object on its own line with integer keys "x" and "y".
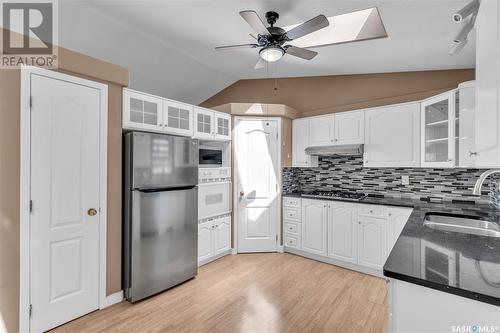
{"x": 212, "y": 156}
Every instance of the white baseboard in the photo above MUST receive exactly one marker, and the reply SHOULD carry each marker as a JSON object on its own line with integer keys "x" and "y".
{"x": 234, "y": 251}
{"x": 281, "y": 249}
{"x": 223, "y": 254}
{"x": 112, "y": 299}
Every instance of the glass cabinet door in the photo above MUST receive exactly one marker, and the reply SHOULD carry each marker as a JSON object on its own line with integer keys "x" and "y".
{"x": 203, "y": 120}
{"x": 177, "y": 118}
{"x": 142, "y": 111}
{"x": 223, "y": 126}
{"x": 438, "y": 131}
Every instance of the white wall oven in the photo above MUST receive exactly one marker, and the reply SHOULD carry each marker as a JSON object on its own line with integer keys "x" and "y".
{"x": 214, "y": 192}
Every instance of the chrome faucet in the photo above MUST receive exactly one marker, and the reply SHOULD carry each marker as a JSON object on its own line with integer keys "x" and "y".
{"x": 482, "y": 178}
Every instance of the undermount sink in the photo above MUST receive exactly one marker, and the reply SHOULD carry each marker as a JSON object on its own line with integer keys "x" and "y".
{"x": 462, "y": 224}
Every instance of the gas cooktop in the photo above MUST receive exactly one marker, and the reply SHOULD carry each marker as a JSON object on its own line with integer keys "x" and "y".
{"x": 344, "y": 195}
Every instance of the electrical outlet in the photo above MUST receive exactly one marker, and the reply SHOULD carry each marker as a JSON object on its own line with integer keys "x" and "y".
{"x": 405, "y": 180}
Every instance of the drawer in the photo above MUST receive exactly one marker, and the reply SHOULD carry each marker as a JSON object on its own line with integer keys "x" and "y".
{"x": 292, "y": 228}
{"x": 291, "y": 241}
{"x": 291, "y": 202}
{"x": 372, "y": 210}
{"x": 291, "y": 213}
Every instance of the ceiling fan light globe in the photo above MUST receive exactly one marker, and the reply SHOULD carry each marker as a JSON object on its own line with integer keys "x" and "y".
{"x": 272, "y": 53}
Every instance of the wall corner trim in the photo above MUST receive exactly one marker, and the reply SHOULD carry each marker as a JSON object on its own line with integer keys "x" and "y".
{"x": 112, "y": 299}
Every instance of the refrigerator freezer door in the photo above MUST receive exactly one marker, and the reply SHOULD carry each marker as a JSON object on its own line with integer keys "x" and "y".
{"x": 162, "y": 161}
{"x": 164, "y": 242}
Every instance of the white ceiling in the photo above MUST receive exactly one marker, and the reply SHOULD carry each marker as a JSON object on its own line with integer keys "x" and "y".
{"x": 420, "y": 34}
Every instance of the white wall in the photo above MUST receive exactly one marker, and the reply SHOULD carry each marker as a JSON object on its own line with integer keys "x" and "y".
{"x": 154, "y": 67}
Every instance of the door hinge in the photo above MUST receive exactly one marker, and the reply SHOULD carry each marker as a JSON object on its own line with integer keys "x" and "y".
{"x": 31, "y": 101}
{"x": 276, "y": 238}
{"x": 31, "y": 206}
{"x": 276, "y": 135}
{"x": 30, "y": 310}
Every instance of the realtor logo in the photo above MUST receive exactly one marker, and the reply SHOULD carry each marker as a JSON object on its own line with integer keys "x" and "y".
{"x": 29, "y": 33}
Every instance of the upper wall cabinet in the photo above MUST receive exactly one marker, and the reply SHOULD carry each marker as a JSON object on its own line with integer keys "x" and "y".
{"x": 438, "y": 131}
{"x": 142, "y": 111}
{"x": 466, "y": 113}
{"x": 177, "y": 117}
{"x": 211, "y": 125}
{"x": 487, "y": 125}
{"x": 392, "y": 136}
{"x": 349, "y": 128}
{"x": 336, "y": 129}
{"x": 300, "y": 141}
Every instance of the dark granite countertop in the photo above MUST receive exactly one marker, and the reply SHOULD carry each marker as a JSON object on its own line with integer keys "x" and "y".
{"x": 456, "y": 263}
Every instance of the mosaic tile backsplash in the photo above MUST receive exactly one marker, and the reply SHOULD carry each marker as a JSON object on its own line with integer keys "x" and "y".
{"x": 347, "y": 173}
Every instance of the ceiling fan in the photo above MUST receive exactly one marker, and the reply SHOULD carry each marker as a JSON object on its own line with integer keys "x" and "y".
{"x": 271, "y": 39}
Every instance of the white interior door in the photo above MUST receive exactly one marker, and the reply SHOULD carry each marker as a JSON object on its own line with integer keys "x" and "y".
{"x": 64, "y": 234}
{"x": 256, "y": 153}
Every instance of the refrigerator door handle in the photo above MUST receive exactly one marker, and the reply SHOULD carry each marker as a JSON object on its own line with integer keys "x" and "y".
{"x": 164, "y": 189}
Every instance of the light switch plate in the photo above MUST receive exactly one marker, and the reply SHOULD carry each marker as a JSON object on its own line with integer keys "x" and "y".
{"x": 405, "y": 180}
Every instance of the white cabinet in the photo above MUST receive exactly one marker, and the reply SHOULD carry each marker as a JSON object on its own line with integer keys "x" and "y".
{"x": 300, "y": 141}
{"x": 349, "y": 128}
{"x": 487, "y": 125}
{"x": 211, "y": 125}
{"x": 466, "y": 114}
{"x": 397, "y": 220}
{"x": 372, "y": 237}
{"x": 341, "y": 128}
{"x": 342, "y": 231}
{"x": 392, "y": 136}
{"x": 206, "y": 248}
{"x": 314, "y": 224}
{"x": 438, "y": 131}
{"x": 177, "y": 118}
{"x": 142, "y": 111}
{"x": 214, "y": 239}
{"x": 321, "y": 131}
{"x": 222, "y": 235}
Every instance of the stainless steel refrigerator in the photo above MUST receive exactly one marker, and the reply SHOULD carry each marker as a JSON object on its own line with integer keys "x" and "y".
{"x": 160, "y": 212}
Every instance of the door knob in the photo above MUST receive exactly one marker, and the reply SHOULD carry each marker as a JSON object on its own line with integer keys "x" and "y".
{"x": 92, "y": 212}
{"x": 242, "y": 193}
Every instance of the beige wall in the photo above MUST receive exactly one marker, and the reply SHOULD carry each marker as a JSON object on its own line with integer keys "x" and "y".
{"x": 70, "y": 62}
{"x": 328, "y": 94}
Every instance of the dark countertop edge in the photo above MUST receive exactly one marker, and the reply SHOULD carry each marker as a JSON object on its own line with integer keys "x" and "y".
{"x": 447, "y": 289}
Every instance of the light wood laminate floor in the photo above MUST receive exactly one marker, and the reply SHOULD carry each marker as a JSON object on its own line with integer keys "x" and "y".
{"x": 271, "y": 292}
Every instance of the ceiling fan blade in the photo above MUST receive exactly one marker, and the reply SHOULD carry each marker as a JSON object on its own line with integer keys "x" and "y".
{"x": 314, "y": 24}
{"x": 300, "y": 52}
{"x": 260, "y": 64}
{"x": 237, "y": 46}
{"x": 255, "y": 22}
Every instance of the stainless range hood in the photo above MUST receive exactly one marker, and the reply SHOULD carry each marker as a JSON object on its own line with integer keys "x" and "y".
{"x": 340, "y": 150}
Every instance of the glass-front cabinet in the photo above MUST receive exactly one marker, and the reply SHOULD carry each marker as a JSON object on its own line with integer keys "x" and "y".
{"x": 211, "y": 125}
{"x": 439, "y": 125}
{"x": 177, "y": 117}
{"x": 142, "y": 111}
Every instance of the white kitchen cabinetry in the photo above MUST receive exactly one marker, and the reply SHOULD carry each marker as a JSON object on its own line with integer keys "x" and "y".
{"x": 372, "y": 237}
{"x": 438, "y": 131}
{"x": 341, "y": 128}
{"x": 211, "y": 125}
{"x": 487, "y": 125}
{"x": 300, "y": 141}
{"x": 342, "y": 231}
{"x": 397, "y": 220}
{"x": 142, "y": 111}
{"x": 214, "y": 239}
{"x": 392, "y": 136}
{"x": 177, "y": 118}
{"x": 314, "y": 224}
{"x": 466, "y": 113}
{"x": 321, "y": 131}
{"x": 292, "y": 217}
{"x": 349, "y": 128}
